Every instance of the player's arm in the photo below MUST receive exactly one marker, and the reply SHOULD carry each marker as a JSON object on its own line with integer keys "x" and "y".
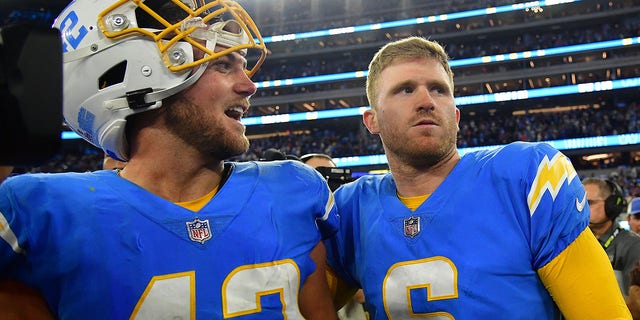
{"x": 17, "y": 301}
{"x": 315, "y": 300}
{"x": 582, "y": 283}
{"x": 341, "y": 292}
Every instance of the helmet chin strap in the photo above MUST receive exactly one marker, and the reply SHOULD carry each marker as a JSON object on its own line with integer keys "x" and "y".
{"x": 156, "y": 96}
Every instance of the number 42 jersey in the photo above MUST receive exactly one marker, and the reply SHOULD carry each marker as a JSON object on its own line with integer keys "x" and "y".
{"x": 99, "y": 247}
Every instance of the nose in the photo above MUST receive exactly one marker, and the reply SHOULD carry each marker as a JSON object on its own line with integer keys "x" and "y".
{"x": 244, "y": 86}
{"x": 425, "y": 100}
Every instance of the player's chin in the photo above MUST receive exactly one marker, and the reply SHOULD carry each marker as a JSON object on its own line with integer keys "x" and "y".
{"x": 238, "y": 146}
{"x": 244, "y": 147}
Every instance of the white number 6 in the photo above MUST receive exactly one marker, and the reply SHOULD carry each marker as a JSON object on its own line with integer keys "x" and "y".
{"x": 438, "y": 275}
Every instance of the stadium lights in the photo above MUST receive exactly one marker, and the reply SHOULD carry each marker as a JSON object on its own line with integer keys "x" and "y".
{"x": 530, "y": 5}
{"x": 598, "y": 156}
{"x": 460, "y": 102}
{"x": 609, "y": 44}
{"x": 564, "y": 144}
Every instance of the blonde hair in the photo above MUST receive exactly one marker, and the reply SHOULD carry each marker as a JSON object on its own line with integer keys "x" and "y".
{"x": 405, "y": 49}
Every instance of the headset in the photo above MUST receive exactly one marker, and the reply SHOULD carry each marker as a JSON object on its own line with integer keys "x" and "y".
{"x": 615, "y": 202}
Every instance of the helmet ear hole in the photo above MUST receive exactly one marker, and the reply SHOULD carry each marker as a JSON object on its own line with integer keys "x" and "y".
{"x": 113, "y": 76}
{"x": 232, "y": 26}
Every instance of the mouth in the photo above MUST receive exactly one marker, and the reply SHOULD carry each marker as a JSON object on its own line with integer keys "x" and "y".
{"x": 426, "y": 122}
{"x": 236, "y": 112}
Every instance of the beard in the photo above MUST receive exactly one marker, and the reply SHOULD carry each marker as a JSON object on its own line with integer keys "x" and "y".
{"x": 202, "y": 131}
{"x": 422, "y": 154}
{"x": 424, "y": 157}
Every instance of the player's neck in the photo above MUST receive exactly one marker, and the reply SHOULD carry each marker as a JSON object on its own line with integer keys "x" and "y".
{"x": 412, "y": 181}
{"x": 178, "y": 182}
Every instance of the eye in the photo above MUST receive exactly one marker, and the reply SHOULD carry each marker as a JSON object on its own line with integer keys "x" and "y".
{"x": 405, "y": 89}
{"x": 439, "y": 89}
{"x": 222, "y": 66}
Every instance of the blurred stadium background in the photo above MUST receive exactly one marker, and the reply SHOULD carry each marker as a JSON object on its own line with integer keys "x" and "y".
{"x": 566, "y": 72}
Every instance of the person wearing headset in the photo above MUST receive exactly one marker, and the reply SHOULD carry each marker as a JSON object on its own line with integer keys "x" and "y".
{"x": 606, "y": 201}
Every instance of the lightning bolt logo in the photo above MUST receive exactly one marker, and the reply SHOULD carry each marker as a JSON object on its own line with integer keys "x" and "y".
{"x": 551, "y": 176}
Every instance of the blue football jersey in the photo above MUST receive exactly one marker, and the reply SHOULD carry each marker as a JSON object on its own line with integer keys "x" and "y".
{"x": 99, "y": 247}
{"x": 473, "y": 248}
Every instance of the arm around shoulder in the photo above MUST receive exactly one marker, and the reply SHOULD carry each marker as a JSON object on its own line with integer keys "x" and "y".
{"x": 315, "y": 299}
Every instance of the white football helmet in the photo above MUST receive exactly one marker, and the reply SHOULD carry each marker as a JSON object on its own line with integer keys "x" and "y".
{"x": 123, "y": 57}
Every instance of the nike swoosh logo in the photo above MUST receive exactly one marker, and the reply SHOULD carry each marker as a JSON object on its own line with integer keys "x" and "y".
{"x": 580, "y": 204}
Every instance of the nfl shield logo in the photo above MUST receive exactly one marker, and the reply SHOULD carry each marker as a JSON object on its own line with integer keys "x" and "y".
{"x": 412, "y": 226}
{"x": 199, "y": 230}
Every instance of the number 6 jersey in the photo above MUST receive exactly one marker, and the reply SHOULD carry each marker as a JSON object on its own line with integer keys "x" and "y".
{"x": 490, "y": 242}
{"x": 99, "y": 247}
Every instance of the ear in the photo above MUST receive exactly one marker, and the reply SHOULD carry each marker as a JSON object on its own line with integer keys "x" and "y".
{"x": 370, "y": 120}
{"x": 458, "y": 118}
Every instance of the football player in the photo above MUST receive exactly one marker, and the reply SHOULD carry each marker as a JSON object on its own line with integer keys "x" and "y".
{"x": 178, "y": 233}
{"x": 498, "y": 234}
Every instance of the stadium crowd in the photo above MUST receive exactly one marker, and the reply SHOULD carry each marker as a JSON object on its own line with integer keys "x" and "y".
{"x": 609, "y": 114}
{"x": 350, "y": 137}
{"x": 528, "y": 40}
{"x": 334, "y": 14}
{"x": 475, "y": 130}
